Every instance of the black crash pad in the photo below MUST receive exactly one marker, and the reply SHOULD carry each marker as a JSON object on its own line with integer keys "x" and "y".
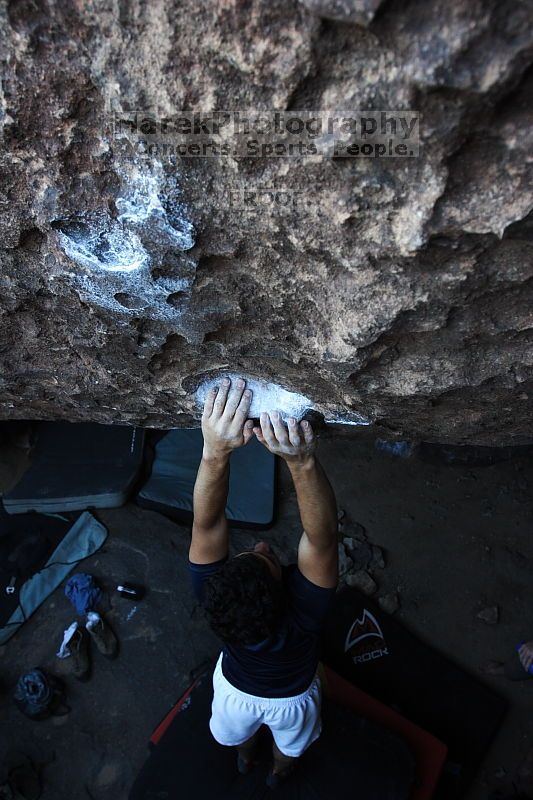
{"x": 377, "y": 653}
{"x": 353, "y": 758}
{"x": 169, "y": 489}
{"x": 76, "y": 466}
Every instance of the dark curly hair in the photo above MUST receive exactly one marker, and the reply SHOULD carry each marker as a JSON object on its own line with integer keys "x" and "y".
{"x": 243, "y": 602}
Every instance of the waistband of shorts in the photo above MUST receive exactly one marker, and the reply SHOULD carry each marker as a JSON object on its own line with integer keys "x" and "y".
{"x": 279, "y": 702}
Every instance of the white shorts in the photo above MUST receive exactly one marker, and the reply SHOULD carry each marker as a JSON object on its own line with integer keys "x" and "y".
{"x": 294, "y": 721}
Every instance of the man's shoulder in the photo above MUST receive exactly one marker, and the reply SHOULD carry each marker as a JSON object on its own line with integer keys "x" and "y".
{"x": 308, "y": 604}
{"x": 294, "y": 578}
{"x": 207, "y": 569}
{"x": 199, "y": 574}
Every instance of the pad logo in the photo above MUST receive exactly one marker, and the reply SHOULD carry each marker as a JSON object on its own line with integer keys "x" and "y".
{"x": 365, "y": 640}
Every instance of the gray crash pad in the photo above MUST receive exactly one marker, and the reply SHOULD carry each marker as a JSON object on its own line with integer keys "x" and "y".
{"x": 169, "y": 489}
{"x": 76, "y": 466}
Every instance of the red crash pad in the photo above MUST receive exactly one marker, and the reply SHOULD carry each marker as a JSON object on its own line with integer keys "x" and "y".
{"x": 429, "y": 752}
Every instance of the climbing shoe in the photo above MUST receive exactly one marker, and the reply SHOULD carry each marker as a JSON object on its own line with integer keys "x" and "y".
{"x": 275, "y": 779}
{"x": 80, "y": 665}
{"x": 75, "y": 648}
{"x": 102, "y": 635}
{"x": 243, "y": 766}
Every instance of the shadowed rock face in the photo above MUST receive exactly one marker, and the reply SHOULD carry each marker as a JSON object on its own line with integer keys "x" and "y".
{"x": 397, "y": 290}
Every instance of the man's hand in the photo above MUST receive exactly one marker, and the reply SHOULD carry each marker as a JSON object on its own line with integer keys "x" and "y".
{"x": 296, "y": 444}
{"x": 525, "y": 654}
{"x": 224, "y": 421}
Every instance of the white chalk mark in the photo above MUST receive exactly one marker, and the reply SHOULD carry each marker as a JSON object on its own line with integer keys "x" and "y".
{"x": 347, "y": 421}
{"x": 266, "y": 396}
{"x": 98, "y": 242}
{"x": 141, "y": 203}
{"x": 269, "y": 397}
{"x": 118, "y": 255}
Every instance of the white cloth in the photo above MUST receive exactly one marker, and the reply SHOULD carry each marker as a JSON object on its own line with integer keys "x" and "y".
{"x": 294, "y": 721}
{"x": 64, "y": 650}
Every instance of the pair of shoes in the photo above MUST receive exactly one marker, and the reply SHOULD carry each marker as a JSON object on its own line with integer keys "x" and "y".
{"x": 75, "y": 645}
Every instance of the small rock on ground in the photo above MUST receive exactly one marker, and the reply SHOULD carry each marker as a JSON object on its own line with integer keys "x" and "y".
{"x": 345, "y": 562}
{"x": 361, "y": 580}
{"x": 361, "y": 553}
{"x": 490, "y": 615}
{"x": 378, "y": 558}
{"x": 390, "y": 603}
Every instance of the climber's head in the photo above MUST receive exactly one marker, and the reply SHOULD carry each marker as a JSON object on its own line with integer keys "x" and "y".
{"x": 244, "y": 600}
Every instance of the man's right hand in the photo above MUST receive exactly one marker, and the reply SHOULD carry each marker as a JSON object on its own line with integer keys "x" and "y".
{"x": 295, "y": 443}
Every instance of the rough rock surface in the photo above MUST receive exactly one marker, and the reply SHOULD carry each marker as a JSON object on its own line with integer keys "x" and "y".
{"x": 393, "y": 289}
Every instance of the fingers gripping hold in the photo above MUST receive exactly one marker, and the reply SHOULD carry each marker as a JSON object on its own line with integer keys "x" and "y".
{"x": 233, "y": 399}
{"x": 222, "y": 394}
{"x": 267, "y": 430}
{"x": 294, "y": 432}
{"x": 293, "y": 443}
{"x": 280, "y": 430}
{"x": 224, "y": 419}
{"x": 244, "y": 405}
{"x": 309, "y": 436}
{"x": 209, "y": 402}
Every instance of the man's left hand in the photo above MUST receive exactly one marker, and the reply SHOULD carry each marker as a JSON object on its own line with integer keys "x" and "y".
{"x": 225, "y": 423}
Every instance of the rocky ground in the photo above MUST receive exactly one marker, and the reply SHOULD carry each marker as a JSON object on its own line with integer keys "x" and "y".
{"x": 449, "y": 542}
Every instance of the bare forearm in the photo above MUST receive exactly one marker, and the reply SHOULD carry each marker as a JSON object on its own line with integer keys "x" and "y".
{"x": 211, "y": 491}
{"x": 316, "y": 501}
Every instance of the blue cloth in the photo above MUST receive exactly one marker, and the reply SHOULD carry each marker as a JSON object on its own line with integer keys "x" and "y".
{"x": 285, "y": 664}
{"x": 83, "y": 592}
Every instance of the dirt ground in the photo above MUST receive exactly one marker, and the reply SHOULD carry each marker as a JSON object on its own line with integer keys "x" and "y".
{"x": 457, "y": 540}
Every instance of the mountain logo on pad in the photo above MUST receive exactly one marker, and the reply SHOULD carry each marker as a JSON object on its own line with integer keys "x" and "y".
{"x": 365, "y": 640}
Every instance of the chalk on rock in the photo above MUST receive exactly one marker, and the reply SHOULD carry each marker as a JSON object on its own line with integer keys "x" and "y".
{"x": 265, "y": 396}
{"x": 389, "y": 603}
{"x": 490, "y": 615}
{"x": 362, "y": 581}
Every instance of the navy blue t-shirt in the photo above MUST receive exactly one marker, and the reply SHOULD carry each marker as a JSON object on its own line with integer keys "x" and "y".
{"x": 285, "y": 664}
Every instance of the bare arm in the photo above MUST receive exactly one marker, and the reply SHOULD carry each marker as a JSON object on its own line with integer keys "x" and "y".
{"x": 225, "y": 427}
{"x": 210, "y": 528}
{"x": 317, "y": 551}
